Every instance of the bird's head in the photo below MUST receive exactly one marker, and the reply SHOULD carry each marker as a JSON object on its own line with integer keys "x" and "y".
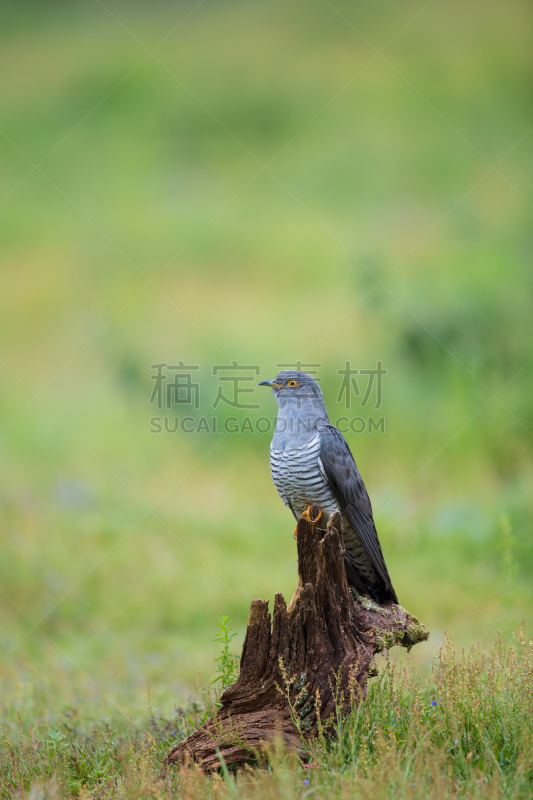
{"x": 290, "y": 385}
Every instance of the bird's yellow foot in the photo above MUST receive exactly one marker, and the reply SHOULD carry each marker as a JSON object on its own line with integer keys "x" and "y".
{"x": 312, "y": 514}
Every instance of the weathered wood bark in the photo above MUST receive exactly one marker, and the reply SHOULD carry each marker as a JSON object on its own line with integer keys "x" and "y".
{"x": 317, "y": 652}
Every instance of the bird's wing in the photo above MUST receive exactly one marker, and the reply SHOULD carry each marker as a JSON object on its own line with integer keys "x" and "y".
{"x": 340, "y": 470}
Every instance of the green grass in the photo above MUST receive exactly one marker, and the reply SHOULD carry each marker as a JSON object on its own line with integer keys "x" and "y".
{"x": 464, "y": 731}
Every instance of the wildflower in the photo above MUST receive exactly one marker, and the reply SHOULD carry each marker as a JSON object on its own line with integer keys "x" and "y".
{"x": 433, "y": 702}
{"x": 306, "y": 783}
{"x": 173, "y": 732}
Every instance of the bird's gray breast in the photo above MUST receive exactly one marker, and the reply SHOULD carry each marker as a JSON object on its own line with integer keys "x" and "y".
{"x": 299, "y": 479}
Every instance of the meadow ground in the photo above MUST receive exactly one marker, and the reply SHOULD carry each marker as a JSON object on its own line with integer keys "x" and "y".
{"x": 261, "y": 183}
{"x": 463, "y": 732}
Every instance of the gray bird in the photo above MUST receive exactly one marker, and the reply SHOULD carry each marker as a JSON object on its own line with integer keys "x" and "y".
{"x": 311, "y": 464}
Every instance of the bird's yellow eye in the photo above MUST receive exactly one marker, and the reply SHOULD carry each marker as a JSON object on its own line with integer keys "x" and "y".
{"x": 292, "y": 383}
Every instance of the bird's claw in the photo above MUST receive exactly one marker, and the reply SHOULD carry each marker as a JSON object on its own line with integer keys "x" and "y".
{"x": 307, "y": 514}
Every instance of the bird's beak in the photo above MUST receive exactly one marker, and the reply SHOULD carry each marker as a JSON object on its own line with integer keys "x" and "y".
{"x": 267, "y": 383}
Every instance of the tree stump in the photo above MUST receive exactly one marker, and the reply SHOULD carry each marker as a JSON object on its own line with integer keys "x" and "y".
{"x": 317, "y": 652}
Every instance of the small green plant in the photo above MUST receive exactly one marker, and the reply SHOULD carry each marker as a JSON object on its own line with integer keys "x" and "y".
{"x": 55, "y": 741}
{"x": 226, "y": 661}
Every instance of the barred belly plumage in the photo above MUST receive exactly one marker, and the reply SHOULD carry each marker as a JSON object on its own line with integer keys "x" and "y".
{"x": 299, "y": 480}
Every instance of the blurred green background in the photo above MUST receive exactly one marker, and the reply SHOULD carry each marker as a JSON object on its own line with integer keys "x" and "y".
{"x": 264, "y": 183}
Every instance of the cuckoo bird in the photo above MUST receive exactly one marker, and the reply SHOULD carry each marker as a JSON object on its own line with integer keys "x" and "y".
{"x": 311, "y": 464}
